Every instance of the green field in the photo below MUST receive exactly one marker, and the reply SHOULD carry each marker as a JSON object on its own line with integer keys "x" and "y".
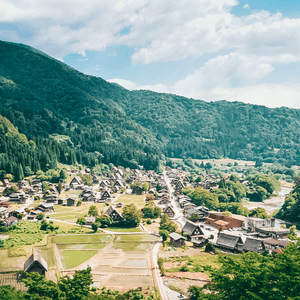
{"x": 81, "y": 246}
{"x": 196, "y": 263}
{"x": 81, "y": 239}
{"x": 117, "y": 229}
{"x": 72, "y": 258}
{"x": 136, "y": 238}
{"x": 132, "y": 246}
{"x": 138, "y": 200}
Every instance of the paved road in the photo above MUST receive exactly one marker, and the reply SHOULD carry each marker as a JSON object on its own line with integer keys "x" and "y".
{"x": 176, "y": 206}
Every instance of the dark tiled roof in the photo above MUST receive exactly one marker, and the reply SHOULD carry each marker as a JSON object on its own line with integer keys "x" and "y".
{"x": 189, "y": 227}
{"x": 175, "y": 236}
{"x": 228, "y": 240}
{"x": 252, "y": 244}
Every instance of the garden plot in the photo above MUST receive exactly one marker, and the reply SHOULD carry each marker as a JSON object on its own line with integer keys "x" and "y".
{"x": 8, "y": 264}
{"x": 82, "y": 238}
{"x": 138, "y": 200}
{"x": 72, "y": 213}
{"x": 11, "y": 279}
{"x": 73, "y": 258}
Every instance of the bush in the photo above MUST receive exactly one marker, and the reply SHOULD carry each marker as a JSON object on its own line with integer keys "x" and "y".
{"x": 210, "y": 248}
{"x": 148, "y": 222}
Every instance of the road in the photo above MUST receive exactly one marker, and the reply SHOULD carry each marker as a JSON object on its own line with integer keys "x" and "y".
{"x": 177, "y": 209}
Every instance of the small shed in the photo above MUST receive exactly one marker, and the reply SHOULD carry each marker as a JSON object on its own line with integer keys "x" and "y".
{"x": 35, "y": 263}
{"x": 71, "y": 202}
{"x": 89, "y": 220}
{"x": 176, "y": 239}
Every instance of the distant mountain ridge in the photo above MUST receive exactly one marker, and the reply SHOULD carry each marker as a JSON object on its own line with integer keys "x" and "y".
{"x": 43, "y": 96}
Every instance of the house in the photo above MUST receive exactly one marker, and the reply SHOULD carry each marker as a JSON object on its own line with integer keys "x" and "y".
{"x": 35, "y": 263}
{"x": 4, "y": 212}
{"x": 164, "y": 201}
{"x": 71, "y": 202}
{"x": 46, "y": 207}
{"x": 228, "y": 241}
{"x": 114, "y": 214}
{"x": 18, "y": 197}
{"x": 6, "y": 183}
{"x": 253, "y": 245}
{"x": 200, "y": 242}
{"x": 105, "y": 195}
{"x": 33, "y": 214}
{"x": 252, "y": 223}
{"x": 5, "y": 204}
{"x": 76, "y": 182}
{"x": 60, "y": 201}
{"x": 274, "y": 232}
{"x": 218, "y": 220}
{"x": 137, "y": 190}
{"x": 16, "y": 212}
{"x": 52, "y": 199}
{"x": 192, "y": 229}
{"x": 169, "y": 211}
{"x": 89, "y": 220}
{"x": 10, "y": 221}
{"x": 272, "y": 244}
{"x": 176, "y": 239}
{"x": 119, "y": 184}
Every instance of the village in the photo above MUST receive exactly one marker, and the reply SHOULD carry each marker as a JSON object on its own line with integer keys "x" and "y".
{"x": 197, "y": 227}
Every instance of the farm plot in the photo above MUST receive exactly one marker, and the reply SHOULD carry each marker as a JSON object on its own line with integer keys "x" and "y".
{"x": 11, "y": 279}
{"x": 72, "y": 213}
{"x": 76, "y": 249}
{"x": 83, "y": 238}
{"x": 8, "y": 264}
{"x": 73, "y": 258}
{"x": 138, "y": 200}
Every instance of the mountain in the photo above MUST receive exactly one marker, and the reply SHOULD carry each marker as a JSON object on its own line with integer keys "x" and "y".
{"x": 43, "y": 96}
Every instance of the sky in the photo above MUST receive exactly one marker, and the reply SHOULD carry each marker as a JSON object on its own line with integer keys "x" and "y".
{"x": 212, "y": 50}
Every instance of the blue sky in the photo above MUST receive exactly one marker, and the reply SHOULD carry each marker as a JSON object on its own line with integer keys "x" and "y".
{"x": 223, "y": 49}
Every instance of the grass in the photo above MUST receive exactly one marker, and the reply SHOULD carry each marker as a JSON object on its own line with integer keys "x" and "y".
{"x": 117, "y": 229}
{"x": 136, "y": 238}
{"x": 72, "y": 258}
{"x": 138, "y": 200}
{"x": 81, "y": 246}
{"x": 16, "y": 251}
{"x": 8, "y": 264}
{"x": 65, "y": 228}
{"x": 77, "y": 239}
{"x": 198, "y": 263}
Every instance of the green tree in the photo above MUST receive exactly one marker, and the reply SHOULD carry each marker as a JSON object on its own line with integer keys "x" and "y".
{"x": 95, "y": 226}
{"x": 59, "y": 187}
{"x": 167, "y": 224}
{"x": 93, "y": 211}
{"x": 293, "y": 233}
{"x": 81, "y": 221}
{"x": 146, "y": 186}
{"x": 40, "y": 216}
{"x": 132, "y": 214}
{"x": 164, "y": 234}
{"x": 63, "y": 175}
{"x": 259, "y": 212}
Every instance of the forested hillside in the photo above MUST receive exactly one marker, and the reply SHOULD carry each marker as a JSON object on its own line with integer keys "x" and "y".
{"x": 21, "y": 157}
{"x": 42, "y": 96}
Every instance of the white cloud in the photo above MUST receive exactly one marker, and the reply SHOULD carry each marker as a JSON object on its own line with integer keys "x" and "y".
{"x": 271, "y": 95}
{"x": 170, "y": 30}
